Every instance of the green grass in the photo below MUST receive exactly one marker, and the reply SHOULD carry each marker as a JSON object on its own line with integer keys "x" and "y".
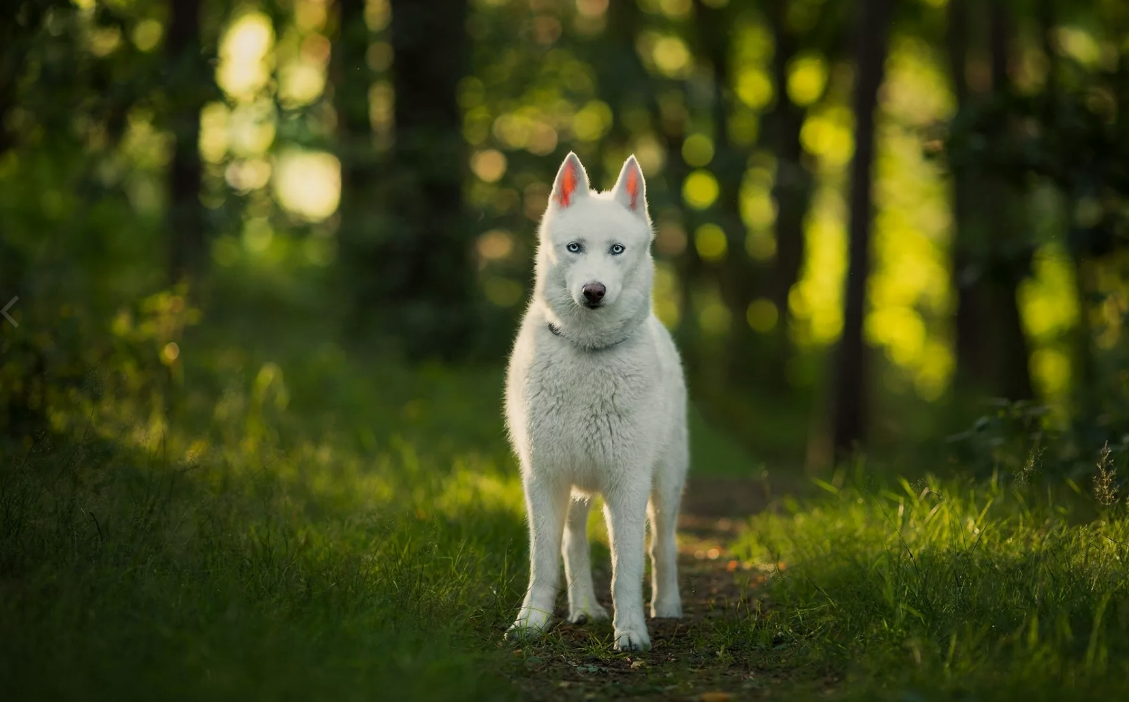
{"x": 278, "y": 520}
{"x": 283, "y": 521}
{"x": 950, "y": 590}
{"x": 255, "y": 560}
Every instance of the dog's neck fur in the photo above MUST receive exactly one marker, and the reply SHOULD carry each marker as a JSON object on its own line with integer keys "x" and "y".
{"x": 557, "y": 332}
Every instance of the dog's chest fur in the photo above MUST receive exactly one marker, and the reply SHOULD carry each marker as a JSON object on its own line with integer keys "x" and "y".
{"x": 587, "y": 414}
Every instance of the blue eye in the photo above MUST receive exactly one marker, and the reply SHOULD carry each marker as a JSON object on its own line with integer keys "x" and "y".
{"x": 573, "y": 247}
{"x": 617, "y": 249}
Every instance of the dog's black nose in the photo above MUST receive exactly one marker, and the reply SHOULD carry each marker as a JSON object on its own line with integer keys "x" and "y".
{"x": 593, "y": 292}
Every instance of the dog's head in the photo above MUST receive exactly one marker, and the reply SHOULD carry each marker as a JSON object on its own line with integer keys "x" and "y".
{"x": 594, "y": 262}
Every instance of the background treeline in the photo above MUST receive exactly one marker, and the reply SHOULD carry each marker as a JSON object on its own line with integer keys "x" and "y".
{"x": 871, "y": 216}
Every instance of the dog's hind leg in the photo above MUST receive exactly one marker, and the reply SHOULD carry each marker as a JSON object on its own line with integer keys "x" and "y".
{"x": 546, "y": 505}
{"x": 582, "y": 604}
{"x": 666, "y": 494}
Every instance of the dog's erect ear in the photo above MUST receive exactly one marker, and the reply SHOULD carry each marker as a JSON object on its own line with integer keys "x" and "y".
{"x": 571, "y": 182}
{"x": 631, "y": 190}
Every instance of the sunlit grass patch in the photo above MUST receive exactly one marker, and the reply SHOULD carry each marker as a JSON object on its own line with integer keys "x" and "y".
{"x": 950, "y": 587}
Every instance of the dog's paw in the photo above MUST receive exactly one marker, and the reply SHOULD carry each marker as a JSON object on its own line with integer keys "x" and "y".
{"x": 667, "y": 609}
{"x": 523, "y": 632}
{"x": 529, "y": 625}
{"x": 589, "y": 613}
{"x": 632, "y": 639}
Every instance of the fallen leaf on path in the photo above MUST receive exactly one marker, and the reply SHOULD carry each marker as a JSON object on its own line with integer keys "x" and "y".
{"x": 716, "y": 696}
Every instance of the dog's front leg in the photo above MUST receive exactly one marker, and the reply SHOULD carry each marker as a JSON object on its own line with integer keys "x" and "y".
{"x": 582, "y": 604}
{"x": 626, "y": 512}
{"x": 546, "y": 502}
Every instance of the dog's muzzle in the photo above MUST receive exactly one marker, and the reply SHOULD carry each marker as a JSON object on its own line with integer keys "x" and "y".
{"x": 593, "y": 294}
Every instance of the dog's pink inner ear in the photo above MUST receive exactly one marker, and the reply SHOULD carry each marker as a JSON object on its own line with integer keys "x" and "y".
{"x": 633, "y": 186}
{"x": 566, "y": 186}
{"x": 630, "y": 190}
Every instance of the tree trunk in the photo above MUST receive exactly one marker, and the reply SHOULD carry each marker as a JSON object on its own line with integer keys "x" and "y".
{"x": 988, "y": 260}
{"x": 970, "y": 369}
{"x": 412, "y": 268}
{"x": 431, "y": 273}
{"x": 360, "y": 228}
{"x": 1010, "y": 251}
{"x": 791, "y": 191}
{"x": 1085, "y": 373}
{"x": 738, "y": 277}
{"x": 850, "y": 397}
{"x": 187, "y": 242}
{"x": 185, "y": 217}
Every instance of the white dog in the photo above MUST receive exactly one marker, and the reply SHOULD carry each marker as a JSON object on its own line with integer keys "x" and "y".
{"x": 596, "y": 402}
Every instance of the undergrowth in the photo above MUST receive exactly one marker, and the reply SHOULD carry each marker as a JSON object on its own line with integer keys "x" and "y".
{"x": 952, "y": 589}
{"x": 222, "y": 514}
{"x": 260, "y": 538}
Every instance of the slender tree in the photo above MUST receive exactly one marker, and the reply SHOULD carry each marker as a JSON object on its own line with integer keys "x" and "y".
{"x": 851, "y": 376}
{"x": 740, "y": 281}
{"x": 413, "y": 270}
{"x": 359, "y": 232}
{"x": 971, "y": 366}
{"x": 433, "y": 273}
{"x": 1085, "y": 370}
{"x": 990, "y": 251}
{"x": 186, "y": 69}
{"x": 1011, "y": 252}
{"x": 792, "y": 187}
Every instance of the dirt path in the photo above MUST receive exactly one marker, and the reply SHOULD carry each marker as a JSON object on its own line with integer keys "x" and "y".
{"x": 699, "y": 657}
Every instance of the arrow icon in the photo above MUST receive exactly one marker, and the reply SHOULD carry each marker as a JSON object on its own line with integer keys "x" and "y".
{"x": 8, "y": 307}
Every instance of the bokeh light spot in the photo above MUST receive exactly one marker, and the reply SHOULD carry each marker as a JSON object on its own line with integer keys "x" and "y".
{"x": 710, "y": 242}
{"x": 760, "y": 245}
{"x": 170, "y": 352}
{"x": 308, "y": 183}
{"x": 713, "y": 315}
{"x": 754, "y": 88}
{"x": 697, "y": 150}
{"x": 671, "y": 56}
{"x": 489, "y": 165}
{"x": 592, "y": 121}
{"x": 807, "y": 76}
{"x": 700, "y": 189}
{"x": 147, "y": 34}
{"x": 761, "y": 315}
{"x": 244, "y": 50}
{"x": 495, "y": 244}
